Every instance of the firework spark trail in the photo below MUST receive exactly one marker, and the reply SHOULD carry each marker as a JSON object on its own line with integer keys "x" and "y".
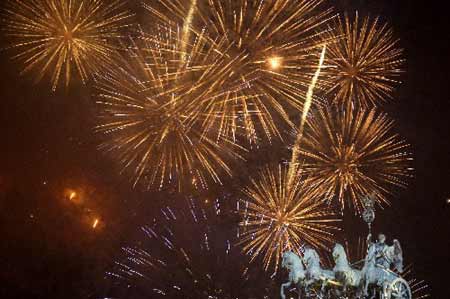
{"x": 309, "y": 95}
{"x": 186, "y": 30}
{"x": 308, "y": 103}
{"x": 419, "y": 288}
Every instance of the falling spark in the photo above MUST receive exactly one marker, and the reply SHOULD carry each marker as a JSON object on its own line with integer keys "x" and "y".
{"x": 94, "y": 225}
{"x": 72, "y": 195}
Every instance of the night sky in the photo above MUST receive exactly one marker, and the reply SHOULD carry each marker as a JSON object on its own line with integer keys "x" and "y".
{"x": 49, "y": 248}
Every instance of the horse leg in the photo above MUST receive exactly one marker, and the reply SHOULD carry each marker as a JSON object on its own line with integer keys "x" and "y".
{"x": 366, "y": 286}
{"x": 307, "y": 284}
{"x": 344, "y": 287}
{"x": 359, "y": 291}
{"x": 284, "y": 285}
{"x": 385, "y": 289}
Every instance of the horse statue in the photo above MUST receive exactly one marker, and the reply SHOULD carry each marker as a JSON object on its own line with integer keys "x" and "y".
{"x": 344, "y": 273}
{"x": 314, "y": 272}
{"x": 297, "y": 274}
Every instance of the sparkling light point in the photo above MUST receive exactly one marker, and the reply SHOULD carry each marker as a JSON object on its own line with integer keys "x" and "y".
{"x": 275, "y": 62}
{"x": 95, "y": 224}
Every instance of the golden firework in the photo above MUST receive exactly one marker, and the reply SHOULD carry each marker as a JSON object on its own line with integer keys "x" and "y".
{"x": 270, "y": 49}
{"x": 365, "y": 63}
{"x": 62, "y": 37}
{"x": 147, "y": 116}
{"x": 278, "y": 217}
{"x": 351, "y": 153}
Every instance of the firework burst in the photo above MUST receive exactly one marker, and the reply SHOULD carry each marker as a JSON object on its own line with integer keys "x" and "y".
{"x": 270, "y": 48}
{"x": 278, "y": 216}
{"x": 147, "y": 113}
{"x": 62, "y": 37}
{"x": 349, "y": 154}
{"x": 188, "y": 252}
{"x": 365, "y": 62}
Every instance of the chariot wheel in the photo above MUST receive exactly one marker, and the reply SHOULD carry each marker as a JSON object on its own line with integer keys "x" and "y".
{"x": 399, "y": 289}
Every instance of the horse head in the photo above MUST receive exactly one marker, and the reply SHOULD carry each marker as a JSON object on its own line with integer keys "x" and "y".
{"x": 343, "y": 272}
{"x": 290, "y": 259}
{"x": 285, "y": 261}
{"x": 293, "y": 263}
{"x": 339, "y": 254}
{"x": 311, "y": 258}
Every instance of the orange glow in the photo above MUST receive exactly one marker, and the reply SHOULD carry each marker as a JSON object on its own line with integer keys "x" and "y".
{"x": 95, "y": 224}
{"x": 275, "y": 62}
{"x": 72, "y": 195}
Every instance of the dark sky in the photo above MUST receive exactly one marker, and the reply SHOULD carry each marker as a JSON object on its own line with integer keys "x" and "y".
{"x": 49, "y": 249}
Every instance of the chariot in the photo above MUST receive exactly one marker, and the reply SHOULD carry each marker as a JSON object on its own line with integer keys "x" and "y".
{"x": 371, "y": 281}
{"x": 376, "y": 276}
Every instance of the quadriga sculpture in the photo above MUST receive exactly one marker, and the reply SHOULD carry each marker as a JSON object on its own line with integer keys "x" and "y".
{"x": 377, "y": 276}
